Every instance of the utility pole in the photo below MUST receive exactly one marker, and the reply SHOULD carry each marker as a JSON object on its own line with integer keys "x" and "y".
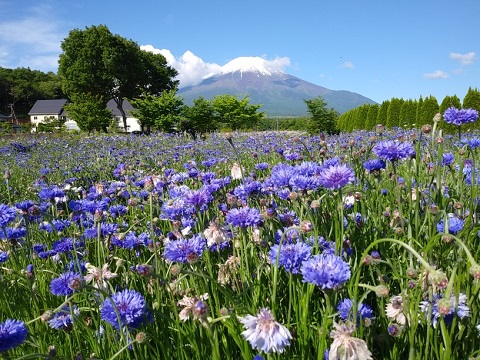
{"x": 12, "y": 114}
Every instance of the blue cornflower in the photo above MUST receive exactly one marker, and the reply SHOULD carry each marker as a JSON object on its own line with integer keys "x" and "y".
{"x": 64, "y": 318}
{"x": 325, "y": 270}
{"x": 132, "y": 241}
{"x": 106, "y": 229}
{"x": 261, "y": 166}
{"x": 53, "y": 194}
{"x": 66, "y": 283}
{"x": 67, "y": 244}
{"x": 281, "y": 174}
{"x": 345, "y": 309}
{"x": 12, "y": 334}
{"x": 291, "y": 256}
{"x": 117, "y": 210}
{"x": 393, "y": 150}
{"x": 460, "y": 116}
{"x": 301, "y": 182}
{"x": 24, "y": 206}
{"x": 175, "y": 209}
{"x": 264, "y": 333}
{"x": 455, "y": 225}
{"x": 185, "y": 250}
{"x": 130, "y": 306}
{"x": 244, "y": 217}
{"x": 446, "y": 308}
{"x": 3, "y": 256}
{"x": 7, "y": 215}
{"x": 472, "y": 142}
{"x": 447, "y": 159}
{"x": 288, "y": 218}
{"x": 336, "y": 176}
{"x": 199, "y": 199}
{"x": 374, "y": 165}
{"x": 54, "y": 226}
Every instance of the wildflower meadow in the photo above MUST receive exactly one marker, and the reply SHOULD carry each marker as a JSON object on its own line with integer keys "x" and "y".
{"x": 269, "y": 245}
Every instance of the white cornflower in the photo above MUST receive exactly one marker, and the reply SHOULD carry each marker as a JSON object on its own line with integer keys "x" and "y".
{"x": 237, "y": 171}
{"x": 394, "y": 310}
{"x": 264, "y": 333}
{"x": 193, "y": 305}
{"x": 214, "y": 234}
{"x": 345, "y": 346}
{"x": 98, "y": 275}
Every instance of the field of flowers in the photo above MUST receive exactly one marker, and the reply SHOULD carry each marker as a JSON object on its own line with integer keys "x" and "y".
{"x": 240, "y": 246}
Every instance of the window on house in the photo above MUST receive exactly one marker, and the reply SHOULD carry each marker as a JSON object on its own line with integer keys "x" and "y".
{"x": 34, "y": 118}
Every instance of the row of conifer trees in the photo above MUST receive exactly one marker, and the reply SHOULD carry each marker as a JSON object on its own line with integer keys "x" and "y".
{"x": 408, "y": 113}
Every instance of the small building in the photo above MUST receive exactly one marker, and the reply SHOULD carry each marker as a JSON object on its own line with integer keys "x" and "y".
{"x": 43, "y": 110}
{"x": 132, "y": 122}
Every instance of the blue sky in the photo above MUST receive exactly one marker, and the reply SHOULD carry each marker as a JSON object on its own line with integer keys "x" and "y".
{"x": 377, "y": 48}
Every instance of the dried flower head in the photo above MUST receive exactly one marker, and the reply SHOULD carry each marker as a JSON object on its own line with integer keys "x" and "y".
{"x": 345, "y": 346}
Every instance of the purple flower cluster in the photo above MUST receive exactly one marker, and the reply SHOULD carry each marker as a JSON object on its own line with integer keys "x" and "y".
{"x": 64, "y": 319}
{"x": 7, "y": 214}
{"x": 327, "y": 271}
{"x": 442, "y": 307}
{"x": 12, "y": 334}
{"x": 66, "y": 283}
{"x": 336, "y": 176}
{"x": 290, "y": 256}
{"x": 126, "y": 308}
{"x": 455, "y": 225}
{"x": 244, "y": 217}
{"x": 185, "y": 250}
{"x": 393, "y": 150}
{"x": 345, "y": 311}
{"x": 374, "y": 165}
{"x": 459, "y": 117}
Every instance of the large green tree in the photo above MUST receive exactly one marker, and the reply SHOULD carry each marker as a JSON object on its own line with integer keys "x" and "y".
{"x": 237, "y": 113}
{"x": 108, "y": 66}
{"x": 200, "y": 118}
{"x": 323, "y": 119}
{"x": 89, "y": 112}
{"x": 20, "y": 88}
{"x": 163, "y": 112}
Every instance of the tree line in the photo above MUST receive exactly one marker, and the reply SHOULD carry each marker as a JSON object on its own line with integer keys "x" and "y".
{"x": 96, "y": 66}
{"x": 407, "y": 113}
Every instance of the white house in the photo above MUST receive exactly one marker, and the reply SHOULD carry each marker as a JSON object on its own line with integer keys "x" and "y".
{"x": 47, "y": 109}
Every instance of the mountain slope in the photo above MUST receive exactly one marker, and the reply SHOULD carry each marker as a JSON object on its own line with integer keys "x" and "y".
{"x": 279, "y": 93}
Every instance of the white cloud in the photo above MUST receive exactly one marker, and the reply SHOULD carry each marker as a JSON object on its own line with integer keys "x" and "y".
{"x": 348, "y": 65}
{"x": 465, "y": 59}
{"x": 33, "y": 37}
{"x": 438, "y": 74}
{"x": 192, "y": 69}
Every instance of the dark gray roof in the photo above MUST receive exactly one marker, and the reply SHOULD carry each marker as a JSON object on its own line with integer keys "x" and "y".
{"x": 127, "y": 107}
{"x": 45, "y": 107}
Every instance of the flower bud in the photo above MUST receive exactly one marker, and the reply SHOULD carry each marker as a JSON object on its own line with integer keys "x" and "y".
{"x": 444, "y": 306}
{"x": 381, "y": 291}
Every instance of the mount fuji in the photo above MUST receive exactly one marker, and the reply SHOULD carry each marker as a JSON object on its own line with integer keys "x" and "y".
{"x": 279, "y": 93}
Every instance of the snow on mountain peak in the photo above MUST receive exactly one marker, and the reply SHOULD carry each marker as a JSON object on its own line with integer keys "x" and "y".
{"x": 255, "y": 64}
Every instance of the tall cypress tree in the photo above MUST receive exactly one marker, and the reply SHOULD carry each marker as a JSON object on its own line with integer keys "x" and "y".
{"x": 428, "y": 111}
{"x": 382, "y": 112}
{"x": 372, "y": 116}
{"x": 408, "y": 113}
{"x": 393, "y": 113}
{"x": 418, "y": 114}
